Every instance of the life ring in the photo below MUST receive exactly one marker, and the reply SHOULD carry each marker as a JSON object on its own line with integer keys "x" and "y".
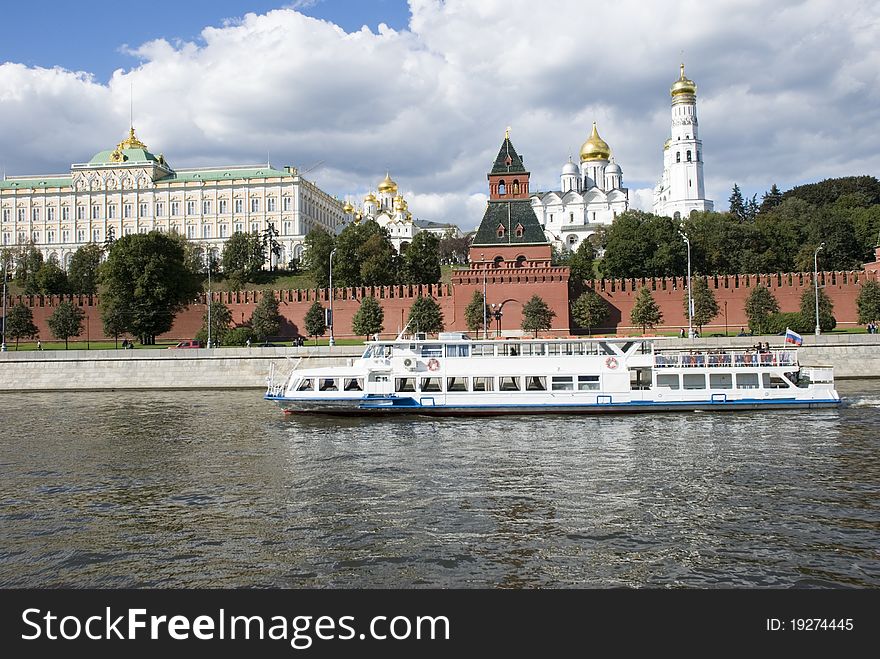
{"x": 433, "y": 364}
{"x": 611, "y": 363}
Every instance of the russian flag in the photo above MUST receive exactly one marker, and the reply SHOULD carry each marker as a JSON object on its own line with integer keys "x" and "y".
{"x": 793, "y": 337}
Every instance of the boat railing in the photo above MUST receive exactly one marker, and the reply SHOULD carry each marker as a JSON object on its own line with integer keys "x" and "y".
{"x": 726, "y": 359}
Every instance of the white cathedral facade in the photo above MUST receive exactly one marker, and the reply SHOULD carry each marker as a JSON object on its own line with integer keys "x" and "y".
{"x": 591, "y": 194}
{"x": 681, "y": 188}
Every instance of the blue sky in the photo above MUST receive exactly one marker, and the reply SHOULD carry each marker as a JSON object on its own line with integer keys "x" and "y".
{"x": 89, "y": 35}
{"x": 788, "y": 90}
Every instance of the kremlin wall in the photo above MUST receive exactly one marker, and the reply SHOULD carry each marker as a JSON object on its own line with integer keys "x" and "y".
{"x": 511, "y": 287}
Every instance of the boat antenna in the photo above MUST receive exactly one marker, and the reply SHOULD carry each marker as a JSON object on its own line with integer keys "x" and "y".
{"x": 403, "y": 331}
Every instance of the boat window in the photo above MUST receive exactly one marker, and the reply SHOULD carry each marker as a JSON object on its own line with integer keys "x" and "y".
{"x": 552, "y": 348}
{"x": 508, "y": 350}
{"x": 772, "y": 381}
{"x": 456, "y": 384}
{"x": 668, "y": 380}
{"x": 588, "y": 383}
{"x": 457, "y": 350}
{"x": 746, "y": 380}
{"x": 483, "y": 384}
{"x": 536, "y": 383}
{"x": 430, "y": 384}
{"x": 560, "y": 383}
{"x": 720, "y": 381}
{"x": 432, "y": 350}
{"x": 368, "y": 352}
{"x": 694, "y": 381}
{"x": 354, "y": 384}
{"x": 508, "y": 383}
{"x": 404, "y": 384}
{"x": 327, "y": 384}
{"x": 305, "y": 385}
{"x": 483, "y": 350}
{"x": 378, "y": 378}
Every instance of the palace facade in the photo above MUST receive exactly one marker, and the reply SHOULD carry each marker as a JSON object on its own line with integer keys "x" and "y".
{"x": 130, "y": 190}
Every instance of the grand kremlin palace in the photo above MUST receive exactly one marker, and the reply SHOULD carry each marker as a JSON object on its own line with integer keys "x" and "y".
{"x": 129, "y": 190}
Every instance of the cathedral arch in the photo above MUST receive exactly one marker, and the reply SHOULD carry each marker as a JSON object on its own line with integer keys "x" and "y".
{"x": 501, "y": 187}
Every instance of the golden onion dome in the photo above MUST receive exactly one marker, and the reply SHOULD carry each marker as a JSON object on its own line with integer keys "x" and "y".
{"x": 347, "y": 208}
{"x": 387, "y": 185}
{"x": 370, "y": 198}
{"x": 595, "y": 148}
{"x": 683, "y": 85}
{"x": 399, "y": 203}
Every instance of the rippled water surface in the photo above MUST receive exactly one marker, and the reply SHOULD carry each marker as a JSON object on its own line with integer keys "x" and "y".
{"x": 211, "y": 489}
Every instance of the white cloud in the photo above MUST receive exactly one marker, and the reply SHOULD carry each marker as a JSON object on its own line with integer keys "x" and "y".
{"x": 788, "y": 93}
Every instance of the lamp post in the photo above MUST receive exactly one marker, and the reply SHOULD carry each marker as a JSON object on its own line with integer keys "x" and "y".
{"x": 5, "y": 269}
{"x": 690, "y": 300}
{"x": 725, "y": 318}
{"x": 483, "y": 264}
{"x": 816, "y": 282}
{"x": 209, "y": 296}
{"x": 496, "y": 313}
{"x": 332, "y": 342}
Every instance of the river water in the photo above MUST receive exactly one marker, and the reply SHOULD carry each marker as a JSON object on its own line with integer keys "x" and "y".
{"x": 219, "y": 489}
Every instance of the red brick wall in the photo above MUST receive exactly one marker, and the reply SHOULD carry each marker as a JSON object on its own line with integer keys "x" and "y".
{"x": 511, "y": 287}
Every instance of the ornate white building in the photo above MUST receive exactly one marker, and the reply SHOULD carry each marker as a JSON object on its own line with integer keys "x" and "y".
{"x": 130, "y": 190}
{"x": 388, "y": 209}
{"x": 590, "y": 194}
{"x": 681, "y": 188}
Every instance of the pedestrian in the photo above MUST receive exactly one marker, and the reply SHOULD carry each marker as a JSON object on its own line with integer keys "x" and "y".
{"x": 39, "y": 345}
{"x": 681, "y": 333}
{"x": 248, "y": 342}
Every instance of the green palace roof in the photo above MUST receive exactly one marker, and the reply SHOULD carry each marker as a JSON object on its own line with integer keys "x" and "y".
{"x": 30, "y": 182}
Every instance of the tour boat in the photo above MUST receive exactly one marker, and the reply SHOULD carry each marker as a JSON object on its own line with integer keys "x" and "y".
{"x": 456, "y": 375}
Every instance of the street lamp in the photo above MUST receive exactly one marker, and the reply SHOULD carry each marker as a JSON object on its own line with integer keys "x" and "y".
{"x": 496, "y": 313}
{"x": 5, "y": 269}
{"x": 483, "y": 264}
{"x": 690, "y": 300}
{"x": 209, "y": 295}
{"x": 816, "y": 282}
{"x": 332, "y": 342}
{"x": 725, "y": 318}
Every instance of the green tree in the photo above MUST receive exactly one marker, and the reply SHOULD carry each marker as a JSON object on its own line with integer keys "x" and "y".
{"x": 475, "y": 312}
{"x": 827, "y": 321}
{"x": 422, "y": 259}
{"x": 316, "y": 321}
{"x": 627, "y": 250}
{"x": 369, "y": 317}
{"x": 115, "y": 317}
{"x": 266, "y": 319}
{"x": 705, "y": 305}
{"x": 830, "y": 190}
{"x": 28, "y": 265}
{"x": 645, "y": 312}
{"x": 66, "y": 321}
{"x": 770, "y": 199}
{"x": 868, "y": 302}
{"x": 52, "y": 280}
{"x": 378, "y": 261}
{"x": 146, "y": 275}
{"x": 737, "y": 205}
{"x": 425, "y": 315}
{"x": 243, "y": 258}
{"x": 20, "y": 323}
{"x": 589, "y": 310}
{"x": 453, "y": 249}
{"x": 580, "y": 263}
{"x": 221, "y": 319}
{"x": 760, "y": 306}
{"x": 316, "y": 257}
{"x": 83, "y": 272}
{"x": 536, "y": 315}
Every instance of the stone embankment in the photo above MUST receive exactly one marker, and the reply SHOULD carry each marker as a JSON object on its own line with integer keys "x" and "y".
{"x": 852, "y": 355}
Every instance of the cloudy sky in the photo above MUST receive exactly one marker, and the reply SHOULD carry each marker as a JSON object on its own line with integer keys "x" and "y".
{"x": 788, "y": 91}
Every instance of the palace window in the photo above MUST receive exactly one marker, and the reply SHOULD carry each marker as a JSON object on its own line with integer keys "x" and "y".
{"x": 50, "y": 236}
{"x": 21, "y": 215}
{"x": 175, "y": 208}
{"x": 6, "y": 215}
{"x": 206, "y": 231}
{"x": 36, "y": 214}
{"x": 224, "y": 206}
{"x": 160, "y": 209}
{"x": 65, "y": 213}
{"x": 80, "y": 235}
{"x": 96, "y": 212}
{"x": 286, "y": 203}
{"x": 238, "y": 205}
{"x": 111, "y": 212}
{"x": 65, "y": 236}
{"x": 190, "y": 208}
{"x": 255, "y": 205}
{"x": 6, "y": 238}
{"x": 223, "y": 229}
{"x": 126, "y": 231}
{"x": 50, "y": 214}
{"x": 239, "y": 227}
{"x": 286, "y": 228}
{"x": 190, "y": 231}
{"x": 126, "y": 211}
{"x": 270, "y": 204}
{"x": 206, "y": 207}
{"x": 96, "y": 235}
{"x": 144, "y": 210}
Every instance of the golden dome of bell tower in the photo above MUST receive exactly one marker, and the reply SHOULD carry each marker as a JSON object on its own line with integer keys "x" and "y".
{"x": 683, "y": 85}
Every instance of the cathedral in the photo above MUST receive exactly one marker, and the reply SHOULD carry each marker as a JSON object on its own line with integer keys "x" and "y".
{"x": 388, "y": 209}
{"x": 591, "y": 194}
{"x": 681, "y": 189}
